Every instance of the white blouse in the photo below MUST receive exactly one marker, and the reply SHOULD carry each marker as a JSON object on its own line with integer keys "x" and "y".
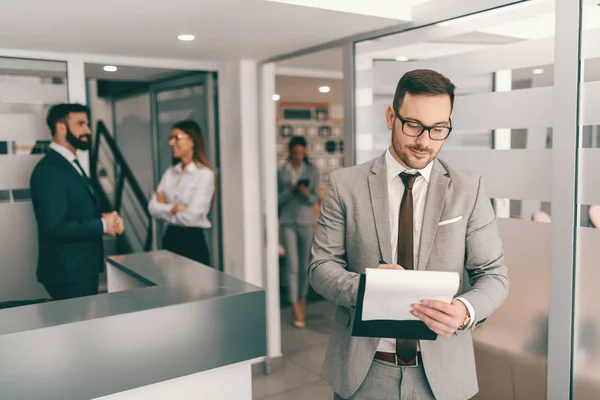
{"x": 194, "y": 187}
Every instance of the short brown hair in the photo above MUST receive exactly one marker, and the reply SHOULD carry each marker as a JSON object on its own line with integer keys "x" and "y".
{"x": 423, "y": 81}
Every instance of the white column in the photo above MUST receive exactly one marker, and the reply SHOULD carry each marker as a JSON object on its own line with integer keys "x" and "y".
{"x": 251, "y": 178}
{"x": 240, "y": 171}
{"x": 231, "y": 166}
{"x": 363, "y": 101}
{"x": 269, "y": 196}
{"x": 76, "y": 80}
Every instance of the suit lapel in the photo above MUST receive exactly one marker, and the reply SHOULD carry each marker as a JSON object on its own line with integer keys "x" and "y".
{"x": 434, "y": 203}
{"x": 86, "y": 182}
{"x": 378, "y": 188}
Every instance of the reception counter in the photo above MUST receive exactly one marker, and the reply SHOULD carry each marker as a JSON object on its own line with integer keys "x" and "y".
{"x": 168, "y": 328}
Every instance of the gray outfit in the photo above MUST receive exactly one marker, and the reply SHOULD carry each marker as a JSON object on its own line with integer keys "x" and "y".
{"x": 353, "y": 233}
{"x": 384, "y": 379}
{"x": 297, "y": 218}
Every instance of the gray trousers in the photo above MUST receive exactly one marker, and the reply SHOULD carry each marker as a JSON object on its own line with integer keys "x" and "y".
{"x": 386, "y": 381}
{"x": 297, "y": 241}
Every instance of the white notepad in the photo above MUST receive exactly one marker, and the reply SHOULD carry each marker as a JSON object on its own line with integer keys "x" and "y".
{"x": 390, "y": 294}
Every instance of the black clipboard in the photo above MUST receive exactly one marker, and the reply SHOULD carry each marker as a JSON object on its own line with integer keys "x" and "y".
{"x": 387, "y": 328}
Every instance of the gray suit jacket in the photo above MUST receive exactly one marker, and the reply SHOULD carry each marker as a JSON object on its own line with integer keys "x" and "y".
{"x": 293, "y": 206}
{"x": 353, "y": 233}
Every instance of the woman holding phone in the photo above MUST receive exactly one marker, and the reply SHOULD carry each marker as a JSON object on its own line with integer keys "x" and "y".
{"x": 297, "y": 183}
{"x": 184, "y": 195}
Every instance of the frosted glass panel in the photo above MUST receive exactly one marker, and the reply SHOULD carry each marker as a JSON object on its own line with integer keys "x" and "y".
{"x": 28, "y": 88}
{"x": 587, "y": 316}
{"x": 515, "y": 338}
{"x": 586, "y": 348}
{"x": 514, "y": 174}
{"x": 24, "y": 127}
{"x": 588, "y": 179}
{"x": 16, "y": 171}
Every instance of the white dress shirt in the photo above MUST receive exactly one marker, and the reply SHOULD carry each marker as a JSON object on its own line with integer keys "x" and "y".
{"x": 296, "y": 172}
{"x": 193, "y": 186}
{"x": 81, "y": 156}
{"x": 395, "y": 193}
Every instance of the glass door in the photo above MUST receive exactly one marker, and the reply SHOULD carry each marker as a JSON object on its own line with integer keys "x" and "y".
{"x": 192, "y": 97}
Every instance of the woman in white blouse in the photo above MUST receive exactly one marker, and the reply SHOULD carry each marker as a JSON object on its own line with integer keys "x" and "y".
{"x": 184, "y": 195}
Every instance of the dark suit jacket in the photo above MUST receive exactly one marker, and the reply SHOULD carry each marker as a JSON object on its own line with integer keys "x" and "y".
{"x": 69, "y": 223}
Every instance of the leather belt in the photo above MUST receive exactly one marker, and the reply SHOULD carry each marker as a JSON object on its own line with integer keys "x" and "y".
{"x": 391, "y": 358}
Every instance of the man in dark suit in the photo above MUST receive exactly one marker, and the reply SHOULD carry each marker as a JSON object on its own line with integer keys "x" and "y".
{"x": 67, "y": 210}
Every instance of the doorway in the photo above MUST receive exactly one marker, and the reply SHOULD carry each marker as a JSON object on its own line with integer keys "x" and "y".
{"x": 139, "y": 106}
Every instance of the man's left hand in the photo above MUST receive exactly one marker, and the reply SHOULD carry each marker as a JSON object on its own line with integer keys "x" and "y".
{"x": 119, "y": 225}
{"x": 441, "y": 317}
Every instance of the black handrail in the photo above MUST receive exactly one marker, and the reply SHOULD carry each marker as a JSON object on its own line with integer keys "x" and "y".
{"x": 125, "y": 174}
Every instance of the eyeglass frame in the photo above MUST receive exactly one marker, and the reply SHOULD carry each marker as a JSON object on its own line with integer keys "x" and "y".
{"x": 425, "y": 127}
{"x": 178, "y": 137}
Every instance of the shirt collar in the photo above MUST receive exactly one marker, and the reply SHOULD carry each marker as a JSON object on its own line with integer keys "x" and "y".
{"x": 191, "y": 167}
{"x": 394, "y": 168}
{"x": 291, "y": 168}
{"x": 63, "y": 151}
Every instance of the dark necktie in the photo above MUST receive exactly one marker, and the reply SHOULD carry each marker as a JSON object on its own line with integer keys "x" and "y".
{"x": 80, "y": 168}
{"x": 406, "y": 349}
{"x": 85, "y": 177}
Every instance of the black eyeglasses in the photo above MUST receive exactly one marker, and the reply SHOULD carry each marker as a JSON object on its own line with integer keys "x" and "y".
{"x": 416, "y": 129}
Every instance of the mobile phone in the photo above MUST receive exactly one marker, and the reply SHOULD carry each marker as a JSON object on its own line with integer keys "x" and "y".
{"x": 304, "y": 182}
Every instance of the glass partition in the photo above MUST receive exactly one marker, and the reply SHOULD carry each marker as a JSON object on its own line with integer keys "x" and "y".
{"x": 27, "y": 90}
{"x": 586, "y": 356}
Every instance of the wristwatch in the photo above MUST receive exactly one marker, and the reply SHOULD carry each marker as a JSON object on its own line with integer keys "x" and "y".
{"x": 465, "y": 322}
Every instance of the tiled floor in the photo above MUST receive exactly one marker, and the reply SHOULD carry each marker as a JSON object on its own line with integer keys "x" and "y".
{"x": 298, "y": 377}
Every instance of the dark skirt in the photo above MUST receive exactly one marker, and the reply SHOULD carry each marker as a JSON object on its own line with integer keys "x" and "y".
{"x": 188, "y": 242}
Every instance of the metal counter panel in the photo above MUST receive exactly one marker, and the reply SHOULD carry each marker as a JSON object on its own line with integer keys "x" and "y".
{"x": 194, "y": 320}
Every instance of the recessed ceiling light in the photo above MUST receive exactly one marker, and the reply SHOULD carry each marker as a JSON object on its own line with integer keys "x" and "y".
{"x": 276, "y": 97}
{"x": 324, "y": 89}
{"x": 402, "y": 58}
{"x": 538, "y": 71}
{"x": 186, "y": 38}
{"x": 110, "y": 68}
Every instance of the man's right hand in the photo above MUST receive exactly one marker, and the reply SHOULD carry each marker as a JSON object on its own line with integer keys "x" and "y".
{"x": 110, "y": 223}
{"x": 113, "y": 223}
{"x": 390, "y": 266}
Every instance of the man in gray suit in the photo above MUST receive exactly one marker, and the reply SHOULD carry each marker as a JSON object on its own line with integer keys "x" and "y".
{"x": 408, "y": 210}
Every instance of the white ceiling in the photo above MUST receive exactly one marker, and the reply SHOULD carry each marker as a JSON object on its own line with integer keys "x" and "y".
{"x": 224, "y": 29}
{"x": 385, "y": 8}
{"x": 327, "y": 60}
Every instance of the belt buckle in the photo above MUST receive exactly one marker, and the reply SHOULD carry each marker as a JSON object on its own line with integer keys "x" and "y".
{"x": 397, "y": 361}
